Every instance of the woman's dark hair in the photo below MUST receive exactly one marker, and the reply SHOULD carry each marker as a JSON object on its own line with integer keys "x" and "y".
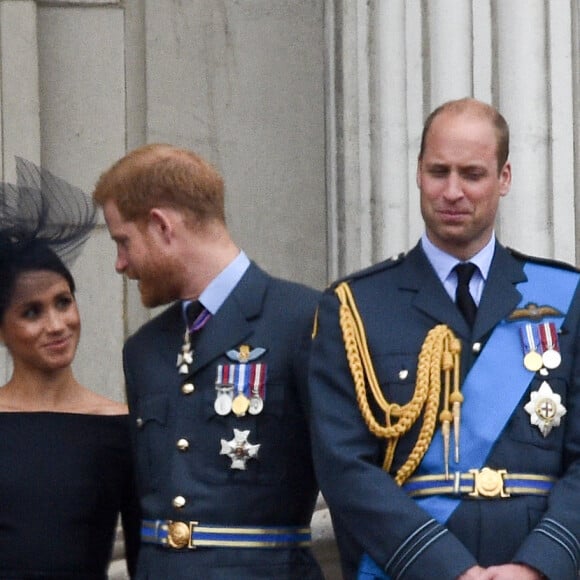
{"x": 32, "y": 256}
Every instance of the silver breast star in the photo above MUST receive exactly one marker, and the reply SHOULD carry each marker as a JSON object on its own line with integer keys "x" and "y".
{"x": 545, "y": 409}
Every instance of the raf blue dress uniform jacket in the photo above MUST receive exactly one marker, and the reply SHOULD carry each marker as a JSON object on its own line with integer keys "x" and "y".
{"x": 399, "y": 302}
{"x": 276, "y": 488}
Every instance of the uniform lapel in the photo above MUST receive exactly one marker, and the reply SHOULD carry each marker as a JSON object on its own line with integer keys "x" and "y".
{"x": 431, "y": 298}
{"x": 231, "y": 326}
{"x": 499, "y": 298}
{"x": 500, "y": 295}
{"x": 173, "y": 327}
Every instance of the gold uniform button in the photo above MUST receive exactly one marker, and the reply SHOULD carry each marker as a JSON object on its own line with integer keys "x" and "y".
{"x": 178, "y": 535}
{"x": 187, "y": 388}
{"x": 178, "y": 501}
{"x": 183, "y": 444}
{"x": 139, "y": 422}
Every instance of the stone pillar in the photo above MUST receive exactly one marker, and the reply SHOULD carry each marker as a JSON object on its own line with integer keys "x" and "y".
{"x": 19, "y": 98}
{"x": 411, "y": 57}
{"x": 82, "y": 123}
{"x": 348, "y": 133}
{"x": 523, "y": 98}
{"x": 450, "y": 50}
{"x": 397, "y": 108}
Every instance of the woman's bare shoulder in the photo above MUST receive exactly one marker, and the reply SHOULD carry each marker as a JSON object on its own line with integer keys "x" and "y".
{"x": 97, "y": 404}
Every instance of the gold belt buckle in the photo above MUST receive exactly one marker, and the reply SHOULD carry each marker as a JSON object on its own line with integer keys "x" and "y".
{"x": 180, "y": 534}
{"x": 488, "y": 483}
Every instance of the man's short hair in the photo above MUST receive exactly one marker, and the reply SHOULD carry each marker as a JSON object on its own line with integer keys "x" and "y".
{"x": 161, "y": 175}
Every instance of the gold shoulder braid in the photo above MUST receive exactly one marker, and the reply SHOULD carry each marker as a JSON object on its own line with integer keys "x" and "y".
{"x": 314, "y": 332}
{"x": 439, "y": 357}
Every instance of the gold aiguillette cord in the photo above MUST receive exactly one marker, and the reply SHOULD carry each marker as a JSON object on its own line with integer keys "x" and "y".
{"x": 451, "y": 400}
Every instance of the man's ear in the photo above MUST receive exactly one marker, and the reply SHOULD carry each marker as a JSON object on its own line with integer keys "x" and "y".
{"x": 505, "y": 179}
{"x": 161, "y": 223}
{"x": 418, "y": 174}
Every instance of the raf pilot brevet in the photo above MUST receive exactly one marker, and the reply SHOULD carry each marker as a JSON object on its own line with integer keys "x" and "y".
{"x": 241, "y": 387}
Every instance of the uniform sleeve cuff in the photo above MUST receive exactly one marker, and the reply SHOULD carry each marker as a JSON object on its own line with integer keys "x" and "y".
{"x": 552, "y": 549}
{"x": 432, "y": 548}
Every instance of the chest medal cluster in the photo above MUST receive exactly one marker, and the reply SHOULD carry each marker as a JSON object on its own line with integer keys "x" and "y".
{"x": 241, "y": 389}
{"x": 540, "y": 345}
{"x": 542, "y": 354}
{"x": 241, "y": 386}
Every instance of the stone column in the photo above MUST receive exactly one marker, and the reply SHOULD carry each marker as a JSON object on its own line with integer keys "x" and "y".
{"x": 391, "y": 62}
{"x": 19, "y": 98}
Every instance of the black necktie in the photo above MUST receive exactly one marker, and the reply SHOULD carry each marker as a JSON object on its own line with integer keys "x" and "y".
{"x": 463, "y": 297}
{"x": 192, "y": 312}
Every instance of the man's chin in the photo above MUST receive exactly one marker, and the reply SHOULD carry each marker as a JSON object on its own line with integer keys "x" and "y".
{"x": 150, "y": 302}
{"x": 153, "y": 300}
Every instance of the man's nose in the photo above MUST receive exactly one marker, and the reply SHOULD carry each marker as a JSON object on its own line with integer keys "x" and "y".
{"x": 454, "y": 187}
{"x": 120, "y": 264}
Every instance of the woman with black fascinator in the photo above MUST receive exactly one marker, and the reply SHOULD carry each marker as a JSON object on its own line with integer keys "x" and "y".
{"x": 65, "y": 462}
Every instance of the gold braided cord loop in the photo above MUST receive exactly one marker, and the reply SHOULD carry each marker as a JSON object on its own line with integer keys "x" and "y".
{"x": 433, "y": 360}
{"x": 438, "y": 353}
{"x": 361, "y": 367}
{"x": 314, "y": 332}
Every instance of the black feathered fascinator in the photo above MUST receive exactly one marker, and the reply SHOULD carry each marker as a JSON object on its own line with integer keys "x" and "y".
{"x": 43, "y": 209}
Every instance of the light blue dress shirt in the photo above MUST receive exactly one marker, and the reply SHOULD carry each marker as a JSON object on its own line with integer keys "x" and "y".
{"x": 217, "y": 291}
{"x": 444, "y": 263}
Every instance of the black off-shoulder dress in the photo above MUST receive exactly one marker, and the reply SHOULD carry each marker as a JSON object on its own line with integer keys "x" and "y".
{"x": 64, "y": 480}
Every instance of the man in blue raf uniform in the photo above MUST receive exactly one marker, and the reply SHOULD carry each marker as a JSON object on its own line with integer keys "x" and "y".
{"x": 214, "y": 383}
{"x": 445, "y": 402}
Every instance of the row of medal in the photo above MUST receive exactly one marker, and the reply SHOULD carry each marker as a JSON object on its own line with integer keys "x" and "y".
{"x": 240, "y": 388}
{"x": 540, "y": 345}
{"x": 542, "y": 353}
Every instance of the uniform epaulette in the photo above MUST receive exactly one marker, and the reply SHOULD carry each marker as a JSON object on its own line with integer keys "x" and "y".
{"x": 388, "y": 263}
{"x": 544, "y": 261}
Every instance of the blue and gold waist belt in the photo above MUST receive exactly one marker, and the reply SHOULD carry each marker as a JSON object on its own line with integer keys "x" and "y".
{"x": 482, "y": 483}
{"x": 177, "y": 534}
